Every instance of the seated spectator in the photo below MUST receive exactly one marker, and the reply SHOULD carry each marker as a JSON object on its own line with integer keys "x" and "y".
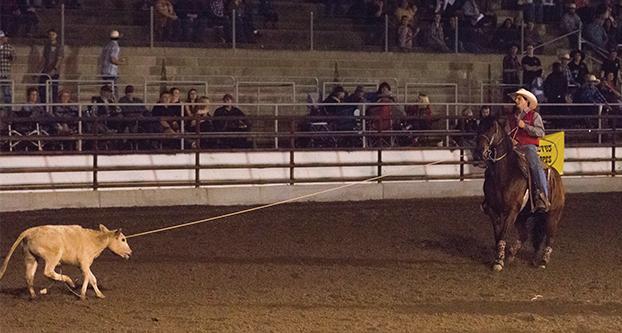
{"x": 134, "y": 113}
{"x": 596, "y": 34}
{"x": 336, "y": 96}
{"x": 588, "y": 93}
{"x": 571, "y": 22}
{"x": 406, "y": 35}
{"x": 611, "y": 65}
{"x": 468, "y": 125}
{"x": 405, "y": 9}
{"x": 223, "y": 123}
{"x": 506, "y": 36}
{"x": 266, "y": 10}
{"x": 612, "y": 33}
{"x": 382, "y": 115}
{"x": 34, "y": 109}
{"x": 202, "y": 123}
{"x": 435, "y": 37}
{"x": 532, "y": 35}
{"x": 511, "y": 66}
{"x": 375, "y": 21}
{"x": 69, "y": 112}
{"x": 188, "y": 13}
{"x": 245, "y": 28}
{"x": 166, "y": 20}
{"x": 103, "y": 107}
{"x": 610, "y": 89}
{"x": 578, "y": 68}
{"x": 564, "y": 59}
{"x": 419, "y": 119}
{"x": 164, "y": 109}
{"x": 192, "y": 98}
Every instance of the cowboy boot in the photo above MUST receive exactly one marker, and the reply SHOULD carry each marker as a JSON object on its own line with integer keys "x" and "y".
{"x": 542, "y": 204}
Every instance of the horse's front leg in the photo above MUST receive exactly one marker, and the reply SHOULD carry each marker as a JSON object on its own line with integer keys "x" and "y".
{"x": 501, "y": 228}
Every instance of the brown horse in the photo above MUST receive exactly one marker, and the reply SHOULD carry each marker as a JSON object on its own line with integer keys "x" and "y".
{"x": 505, "y": 199}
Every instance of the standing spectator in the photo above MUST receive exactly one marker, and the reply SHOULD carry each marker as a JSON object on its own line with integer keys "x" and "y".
{"x": 564, "y": 59}
{"x": 506, "y": 36}
{"x": 7, "y": 57}
{"x": 188, "y": 13}
{"x": 52, "y": 60}
{"x": 571, "y": 22}
{"x": 217, "y": 19}
{"x": 578, "y": 68}
{"x": 611, "y": 65}
{"x": 435, "y": 38}
{"x": 511, "y": 66}
{"x": 165, "y": 20}
{"x": 405, "y": 8}
{"x": 556, "y": 92}
{"x": 245, "y": 28}
{"x": 239, "y": 124}
{"x": 595, "y": 33}
{"x": 406, "y": 35}
{"x": 110, "y": 59}
{"x": 532, "y": 67}
{"x": 612, "y": 33}
{"x": 266, "y": 10}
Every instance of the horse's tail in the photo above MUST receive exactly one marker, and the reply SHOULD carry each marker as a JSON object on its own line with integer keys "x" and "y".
{"x": 8, "y": 256}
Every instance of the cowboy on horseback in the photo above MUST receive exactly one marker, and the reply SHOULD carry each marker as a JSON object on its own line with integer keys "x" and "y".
{"x": 528, "y": 128}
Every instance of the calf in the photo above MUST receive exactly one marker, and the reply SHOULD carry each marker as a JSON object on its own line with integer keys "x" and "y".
{"x": 67, "y": 244}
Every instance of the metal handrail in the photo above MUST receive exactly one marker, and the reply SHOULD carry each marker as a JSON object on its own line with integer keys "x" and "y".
{"x": 578, "y": 31}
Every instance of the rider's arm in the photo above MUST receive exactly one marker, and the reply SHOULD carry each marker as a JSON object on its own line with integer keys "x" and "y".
{"x": 537, "y": 129}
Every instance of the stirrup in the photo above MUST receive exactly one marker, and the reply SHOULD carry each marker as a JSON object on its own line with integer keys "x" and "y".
{"x": 542, "y": 204}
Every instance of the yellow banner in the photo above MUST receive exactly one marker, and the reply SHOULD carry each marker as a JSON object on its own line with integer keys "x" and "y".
{"x": 551, "y": 151}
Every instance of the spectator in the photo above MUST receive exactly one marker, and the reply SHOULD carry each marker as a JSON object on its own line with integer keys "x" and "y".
{"x": 375, "y": 21}
{"x": 382, "y": 114}
{"x": 612, "y": 33}
{"x": 556, "y": 92}
{"x": 134, "y": 112}
{"x": 192, "y": 99}
{"x": 596, "y": 34}
{"x": 473, "y": 37}
{"x": 450, "y": 36}
{"x": 35, "y": 113}
{"x": 420, "y": 119}
{"x": 188, "y": 13}
{"x": 467, "y": 124}
{"x": 588, "y": 93}
{"x": 336, "y": 96}
{"x": 167, "y": 126}
{"x": 266, "y": 10}
{"x": 110, "y": 59}
{"x": 25, "y": 15}
{"x": 611, "y": 65}
{"x": 7, "y": 57}
{"x": 166, "y": 20}
{"x": 355, "y": 101}
{"x": 104, "y": 106}
{"x": 67, "y": 116}
{"x": 532, "y": 67}
{"x": 571, "y": 22}
{"x": 506, "y": 36}
{"x": 578, "y": 68}
{"x": 435, "y": 38}
{"x": 217, "y": 19}
{"x": 485, "y": 113}
{"x": 202, "y": 123}
{"x": 239, "y": 124}
{"x": 245, "y": 28}
{"x": 511, "y": 66}
{"x": 405, "y": 9}
{"x": 406, "y": 35}
{"x": 532, "y": 35}
{"x": 52, "y": 60}
{"x": 564, "y": 59}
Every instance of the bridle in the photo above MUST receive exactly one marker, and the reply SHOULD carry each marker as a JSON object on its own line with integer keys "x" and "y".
{"x": 490, "y": 153}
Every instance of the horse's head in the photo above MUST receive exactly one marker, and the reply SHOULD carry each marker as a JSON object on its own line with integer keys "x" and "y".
{"x": 489, "y": 136}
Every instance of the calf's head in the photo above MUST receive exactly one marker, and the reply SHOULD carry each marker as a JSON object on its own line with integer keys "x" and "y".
{"x": 118, "y": 242}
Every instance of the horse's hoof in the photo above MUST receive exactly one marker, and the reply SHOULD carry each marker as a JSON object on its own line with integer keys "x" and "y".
{"x": 43, "y": 291}
{"x": 497, "y": 267}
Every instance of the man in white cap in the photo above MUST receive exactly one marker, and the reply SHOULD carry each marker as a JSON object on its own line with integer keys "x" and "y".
{"x": 529, "y": 129}
{"x": 7, "y": 57}
{"x": 571, "y": 22}
{"x": 110, "y": 59}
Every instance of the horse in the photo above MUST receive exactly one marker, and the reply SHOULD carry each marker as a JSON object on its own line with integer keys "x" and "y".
{"x": 506, "y": 195}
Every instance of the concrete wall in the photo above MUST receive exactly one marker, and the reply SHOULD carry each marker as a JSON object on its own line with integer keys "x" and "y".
{"x": 259, "y": 195}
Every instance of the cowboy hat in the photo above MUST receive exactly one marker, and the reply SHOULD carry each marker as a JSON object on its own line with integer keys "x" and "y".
{"x": 564, "y": 55}
{"x": 115, "y": 34}
{"x": 592, "y": 78}
{"x": 531, "y": 98}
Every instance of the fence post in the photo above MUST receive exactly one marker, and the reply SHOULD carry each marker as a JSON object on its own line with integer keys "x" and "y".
{"x": 80, "y": 127}
{"x": 276, "y": 126}
{"x": 364, "y": 126}
{"x": 311, "y": 41}
{"x": 456, "y": 38}
{"x": 579, "y": 40}
{"x": 62, "y": 25}
{"x": 386, "y": 33}
{"x": 522, "y": 37}
{"x": 233, "y": 29}
{"x": 151, "y": 27}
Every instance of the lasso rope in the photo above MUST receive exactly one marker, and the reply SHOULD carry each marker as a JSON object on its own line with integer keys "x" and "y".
{"x": 269, "y": 205}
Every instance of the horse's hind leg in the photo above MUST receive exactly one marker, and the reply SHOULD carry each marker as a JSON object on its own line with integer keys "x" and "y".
{"x": 523, "y": 235}
{"x": 550, "y": 231}
{"x": 31, "y": 268}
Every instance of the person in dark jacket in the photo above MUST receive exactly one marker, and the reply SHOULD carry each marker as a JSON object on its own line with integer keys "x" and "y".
{"x": 555, "y": 90}
{"x": 223, "y": 122}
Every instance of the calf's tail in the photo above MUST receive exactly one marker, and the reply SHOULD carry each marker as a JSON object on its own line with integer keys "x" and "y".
{"x": 8, "y": 256}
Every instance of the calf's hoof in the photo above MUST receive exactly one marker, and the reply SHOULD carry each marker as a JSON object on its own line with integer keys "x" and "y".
{"x": 100, "y": 295}
{"x": 497, "y": 267}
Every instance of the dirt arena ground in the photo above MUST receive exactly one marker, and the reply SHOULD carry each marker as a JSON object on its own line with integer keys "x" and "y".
{"x": 381, "y": 266}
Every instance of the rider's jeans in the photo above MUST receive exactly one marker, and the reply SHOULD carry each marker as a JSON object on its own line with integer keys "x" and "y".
{"x": 531, "y": 152}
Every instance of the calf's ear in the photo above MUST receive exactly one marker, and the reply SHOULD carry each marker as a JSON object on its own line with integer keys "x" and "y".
{"x": 117, "y": 232}
{"x": 103, "y": 228}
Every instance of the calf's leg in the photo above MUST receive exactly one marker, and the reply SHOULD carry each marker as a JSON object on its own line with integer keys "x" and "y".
{"x": 50, "y": 265}
{"x": 31, "y": 268}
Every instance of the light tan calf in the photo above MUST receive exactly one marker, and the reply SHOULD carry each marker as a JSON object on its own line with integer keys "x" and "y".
{"x": 66, "y": 244}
